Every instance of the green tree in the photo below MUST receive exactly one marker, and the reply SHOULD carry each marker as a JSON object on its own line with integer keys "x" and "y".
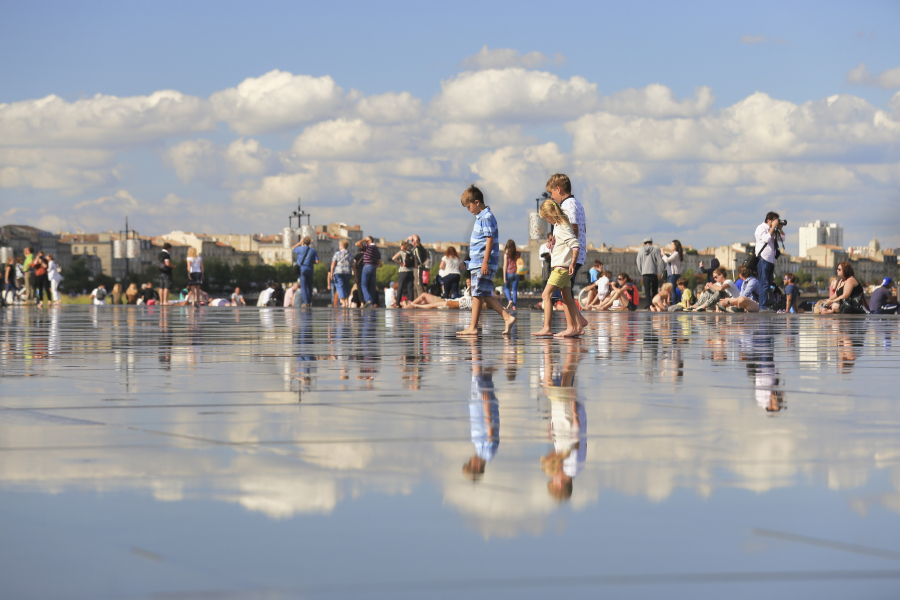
{"x": 386, "y": 274}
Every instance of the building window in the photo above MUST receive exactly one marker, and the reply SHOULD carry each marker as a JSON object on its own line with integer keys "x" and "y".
{"x": 95, "y": 249}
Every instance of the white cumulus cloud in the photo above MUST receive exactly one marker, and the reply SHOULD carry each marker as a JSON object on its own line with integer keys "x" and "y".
{"x": 501, "y": 58}
{"x": 657, "y": 100}
{"x": 888, "y": 79}
{"x": 277, "y": 100}
{"x": 513, "y": 95}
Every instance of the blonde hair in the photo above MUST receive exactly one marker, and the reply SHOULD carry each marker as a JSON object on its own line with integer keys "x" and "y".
{"x": 117, "y": 289}
{"x": 472, "y": 194}
{"x": 559, "y": 181}
{"x": 192, "y": 252}
{"x": 552, "y": 210}
{"x": 345, "y": 244}
{"x": 666, "y": 287}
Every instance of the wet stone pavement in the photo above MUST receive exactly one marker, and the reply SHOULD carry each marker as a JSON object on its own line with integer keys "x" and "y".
{"x": 264, "y": 453}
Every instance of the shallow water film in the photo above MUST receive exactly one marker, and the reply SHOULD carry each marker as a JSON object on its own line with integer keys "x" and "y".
{"x": 270, "y": 453}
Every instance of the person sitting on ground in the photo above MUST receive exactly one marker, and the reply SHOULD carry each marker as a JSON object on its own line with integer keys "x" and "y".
{"x": 791, "y": 295}
{"x": 687, "y": 297}
{"x": 881, "y": 302}
{"x": 237, "y": 299}
{"x": 748, "y": 300}
{"x": 132, "y": 294}
{"x": 721, "y": 289}
{"x": 390, "y": 294}
{"x": 597, "y": 287}
{"x": 849, "y": 297}
{"x": 98, "y": 296}
{"x": 623, "y": 295}
{"x": 661, "y": 301}
{"x": 290, "y": 294}
{"x": 266, "y": 295}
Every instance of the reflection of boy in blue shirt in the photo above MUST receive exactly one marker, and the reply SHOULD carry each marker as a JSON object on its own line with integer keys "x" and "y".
{"x": 484, "y": 417}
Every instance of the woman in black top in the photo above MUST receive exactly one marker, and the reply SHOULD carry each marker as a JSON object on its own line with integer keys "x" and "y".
{"x": 848, "y": 297}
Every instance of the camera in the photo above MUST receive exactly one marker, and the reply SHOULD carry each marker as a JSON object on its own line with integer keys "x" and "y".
{"x": 782, "y": 222}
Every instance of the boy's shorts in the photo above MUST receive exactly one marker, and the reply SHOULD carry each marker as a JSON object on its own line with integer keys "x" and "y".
{"x": 482, "y": 285}
{"x": 560, "y": 278}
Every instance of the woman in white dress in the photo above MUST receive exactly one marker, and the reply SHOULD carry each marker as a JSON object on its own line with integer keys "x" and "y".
{"x": 55, "y": 278}
{"x": 195, "y": 275}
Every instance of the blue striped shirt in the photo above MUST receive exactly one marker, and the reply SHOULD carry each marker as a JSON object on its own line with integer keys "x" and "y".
{"x": 485, "y": 227}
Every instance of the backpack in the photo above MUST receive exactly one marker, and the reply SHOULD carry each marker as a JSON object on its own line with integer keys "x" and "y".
{"x": 408, "y": 261}
{"x": 520, "y": 266}
{"x": 101, "y": 294}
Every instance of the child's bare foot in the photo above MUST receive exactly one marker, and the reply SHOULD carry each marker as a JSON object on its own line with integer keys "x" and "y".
{"x": 509, "y": 323}
{"x": 584, "y": 323}
{"x": 543, "y": 332}
{"x": 466, "y": 332}
{"x": 576, "y": 333}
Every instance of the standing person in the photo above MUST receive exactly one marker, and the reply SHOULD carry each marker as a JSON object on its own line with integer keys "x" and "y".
{"x": 371, "y": 262}
{"x": 132, "y": 294}
{"x": 41, "y": 281}
{"x": 484, "y": 256}
{"x": 565, "y": 250}
{"x": 423, "y": 261}
{"x": 406, "y": 266}
{"x": 29, "y": 274}
{"x": 650, "y": 265}
{"x": 54, "y": 277}
{"x": 20, "y": 275}
{"x": 237, "y": 298}
{"x": 768, "y": 234}
{"x": 511, "y": 274}
{"x": 165, "y": 273}
{"x": 195, "y": 275}
{"x": 307, "y": 259}
{"x": 117, "y": 294}
{"x": 9, "y": 281}
{"x": 673, "y": 261}
{"x": 560, "y": 189}
{"x": 341, "y": 272}
{"x": 449, "y": 273}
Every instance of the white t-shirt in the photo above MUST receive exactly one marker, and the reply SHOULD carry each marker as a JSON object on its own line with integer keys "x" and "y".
{"x": 451, "y": 266}
{"x": 573, "y": 209}
{"x": 603, "y": 287}
{"x": 236, "y": 299}
{"x": 195, "y": 264}
{"x": 390, "y": 296}
{"x": 264, "y": 296}
{"x": 731, "y": 289}
{"x": 765, "y": 243}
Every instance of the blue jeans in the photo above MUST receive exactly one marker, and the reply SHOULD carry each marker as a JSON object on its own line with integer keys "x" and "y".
{"x": 766, "y": 271}
{"x": 306, "y": 278}
{"x": 451, "y": 285}
{"x": 342, "y": 284}
{"x": 370, "y": 294}
{"x": 511, "y": 288}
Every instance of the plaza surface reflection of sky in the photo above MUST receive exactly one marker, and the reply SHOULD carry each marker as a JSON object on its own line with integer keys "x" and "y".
{"x": 270, "y": 453}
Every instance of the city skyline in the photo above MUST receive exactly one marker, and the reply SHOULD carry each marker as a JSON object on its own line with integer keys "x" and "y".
{"x": 676, "y": 125}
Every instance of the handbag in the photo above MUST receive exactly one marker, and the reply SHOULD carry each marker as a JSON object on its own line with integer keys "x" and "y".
{"x": 752, "y": 261}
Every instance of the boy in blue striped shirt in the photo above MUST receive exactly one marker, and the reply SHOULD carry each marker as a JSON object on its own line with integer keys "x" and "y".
{"x": 484, "y": 256}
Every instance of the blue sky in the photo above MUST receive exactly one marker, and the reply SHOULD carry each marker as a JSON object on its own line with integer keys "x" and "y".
{"x": 798, "y": 53}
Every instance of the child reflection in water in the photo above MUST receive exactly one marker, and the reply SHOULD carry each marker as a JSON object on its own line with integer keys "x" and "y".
{"x": 484, "y": 417}
{"x": 568, "y": 426}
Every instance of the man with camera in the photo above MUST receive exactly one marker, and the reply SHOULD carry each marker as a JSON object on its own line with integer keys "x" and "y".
{"x": 768, "y": 235}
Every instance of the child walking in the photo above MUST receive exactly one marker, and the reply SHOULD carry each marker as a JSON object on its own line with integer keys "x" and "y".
{"x": 484, "y": 256}
{"x": 562, "y": 267}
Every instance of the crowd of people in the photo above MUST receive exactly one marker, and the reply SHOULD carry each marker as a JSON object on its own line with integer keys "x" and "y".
{"x": 351, "y": 279}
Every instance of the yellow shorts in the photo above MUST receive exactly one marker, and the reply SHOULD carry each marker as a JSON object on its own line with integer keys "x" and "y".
{"x": 560, "y": 278}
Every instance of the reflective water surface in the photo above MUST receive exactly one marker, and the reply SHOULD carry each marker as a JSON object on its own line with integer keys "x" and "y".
{"x": 222, "y": 453}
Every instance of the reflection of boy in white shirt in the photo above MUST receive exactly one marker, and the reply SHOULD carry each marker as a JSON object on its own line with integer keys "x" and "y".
{"x": 484, "y": 417}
